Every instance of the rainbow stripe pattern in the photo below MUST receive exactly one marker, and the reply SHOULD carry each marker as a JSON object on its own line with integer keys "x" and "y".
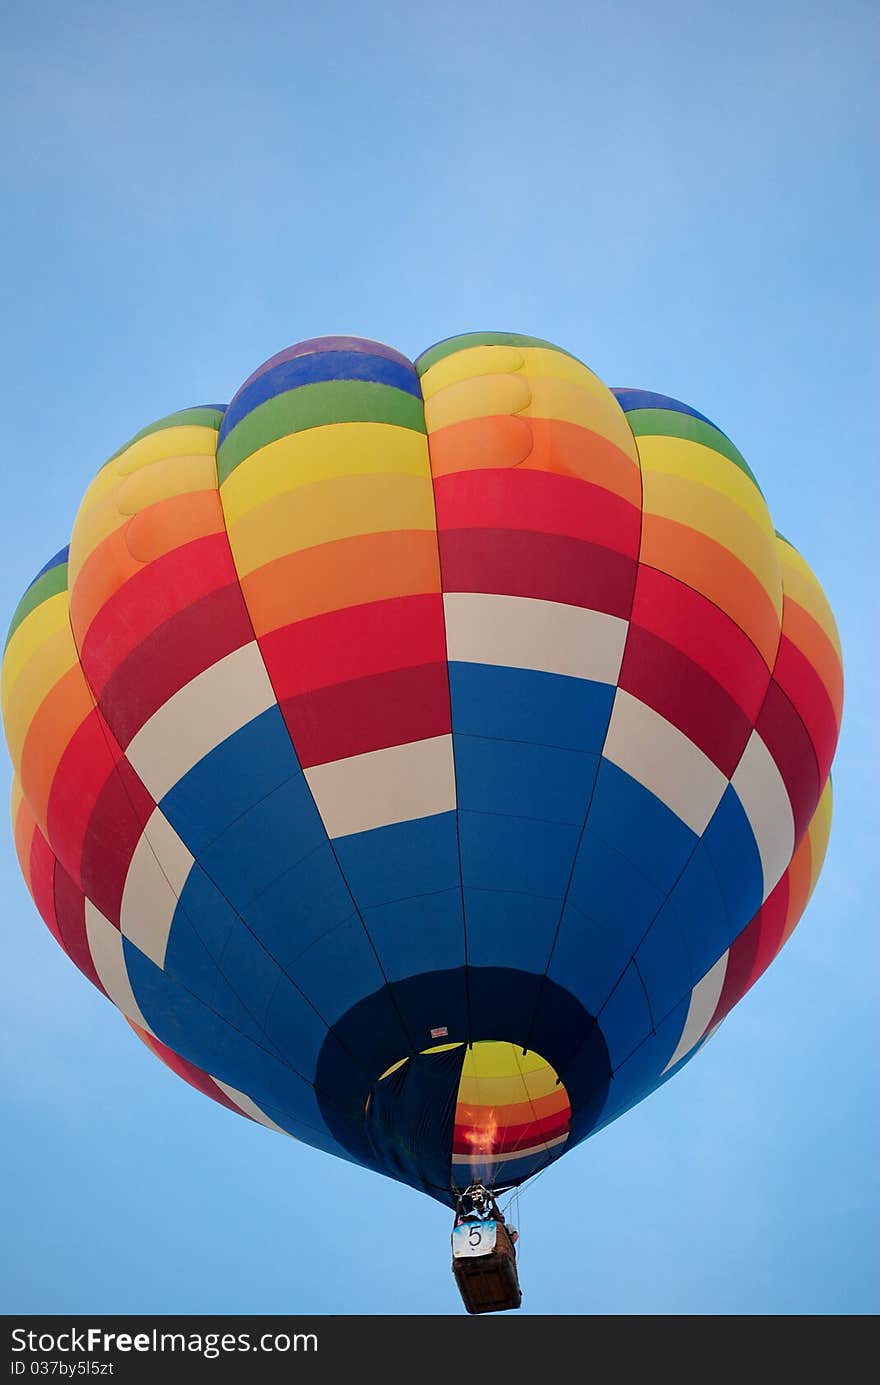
{"x": 462, "y": 720}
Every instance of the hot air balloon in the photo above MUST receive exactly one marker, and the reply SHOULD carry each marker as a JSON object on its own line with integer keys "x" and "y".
{"x": 424, "y": 757}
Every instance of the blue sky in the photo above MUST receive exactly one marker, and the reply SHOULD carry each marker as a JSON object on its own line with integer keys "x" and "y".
{"x": 685, "y": 197}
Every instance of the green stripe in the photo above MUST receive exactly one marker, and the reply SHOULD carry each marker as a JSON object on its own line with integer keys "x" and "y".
{"x": 50, "y": 584}
{"x": 669, "y": 423}
{"x": 464, "y": 343}
{"x": 184, "y": 418}
{"x": 310, "y": 406}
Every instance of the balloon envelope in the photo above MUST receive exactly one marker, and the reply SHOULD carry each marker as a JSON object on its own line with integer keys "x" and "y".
{"x": 424, "y": 757}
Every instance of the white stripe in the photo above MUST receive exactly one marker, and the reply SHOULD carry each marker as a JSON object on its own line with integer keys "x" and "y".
{"x": 764, "y": 797}
{"x": 384, "y": 786}
{"x": 105, "y": 946}
{"x": 521, "y": 632}
{"x": 704, "y": 998}
{"x": 486, "y": 1160}
{"x": 199, "y": 717}
{"x": 156, "y": 876}
{"x": 664, "y": 760}
{"x": 249, "y": 1107}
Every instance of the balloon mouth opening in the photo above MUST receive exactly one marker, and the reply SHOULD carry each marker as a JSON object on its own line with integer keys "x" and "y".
{"x": 507, "y": 1112}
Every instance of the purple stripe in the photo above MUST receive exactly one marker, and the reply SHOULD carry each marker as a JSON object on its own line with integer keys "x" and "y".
{"x": 305, "y": 348}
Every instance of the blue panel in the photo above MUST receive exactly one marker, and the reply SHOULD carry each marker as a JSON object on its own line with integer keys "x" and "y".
{"x": 630, "y": 400}
{"x": 314, "y": 368}
{"x": 642, "y": 1072}
{"x": 433, "y": 1001}
{"x": 606, "y": 886}
{"x": 665, "y": 966}
{"x": 407, "y": 858}
{"x": 696, "y": 907}
{"x": 420, "y": 934}
{"x": 589, "y": 956}
{"x": 502, "y": 1005}
{"x": 533, "y": 781}
{"x": 339, "y": 970}
{"x": 180, "y": 1020}
{"x": 265, "y": 842}
{"x": 625, "y": 1019}
{"x": 202, "y": 923}
{"x": 525, "y": 855}
{"x": 629, "y": 817}
{"x": 309, "y": 1135}
{"x": 293, "y": 1027}
{"x": 234, "y": 776}
{"x": 732, "y": 849}
{"x": 510, "y": 930}
{"x": 300, "y": 906}
{"x": 517, "y": 704}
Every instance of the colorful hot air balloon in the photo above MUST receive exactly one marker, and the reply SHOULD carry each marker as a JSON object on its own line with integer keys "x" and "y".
{"x": 424, "y": 757}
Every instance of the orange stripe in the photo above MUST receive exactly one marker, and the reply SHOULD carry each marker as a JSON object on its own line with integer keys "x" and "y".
{"x": 518, "y": 1113}
{"x": 800, "y": 882}
{"x": 147, "y": 536}
{"x": 60, "y": 714}
{"x": 712, "y": 569}
{"x": 539, "y": 444}
{"x": 807, "y": 634}
{"x": 348, "y": 572}
{"x": 25, "y": 828}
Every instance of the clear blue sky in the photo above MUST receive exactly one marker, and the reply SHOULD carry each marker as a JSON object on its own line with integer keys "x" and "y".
{"x": 685, "y": 196}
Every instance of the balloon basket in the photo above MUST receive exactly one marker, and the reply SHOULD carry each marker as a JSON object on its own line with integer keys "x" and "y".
{"x": 490, "y": 1283}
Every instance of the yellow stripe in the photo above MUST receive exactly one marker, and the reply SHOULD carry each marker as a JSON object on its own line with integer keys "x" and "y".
{"x": 23, "y": 698}
{"x": 90, "y": 528}
{"x": 506, "y": 360}
{"x": 183, "y": 441}
{"x": 35, "y": 630}
{"x": 330, "y": 510}
{"x": 496, "y": 1058}
{"x": 532, "y": 397}
{"x": 482, "y": 397}
{"x": 335, "y": 450}
{"x": 803, "y": 586}
{"x": 710, "y": 512}
{"x": 506, "y": 1091}
{"x": 163, "y": 445}
{"x": 16, "y": 798}
{"x": 695, "y": 462}
{"x": 169, "y": 477}
{"x": 819, "y": 832}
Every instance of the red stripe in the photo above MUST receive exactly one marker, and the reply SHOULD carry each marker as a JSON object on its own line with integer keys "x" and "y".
{"x": 409, "y": 704}
{"x": 772, "y": 917}
{"x": 42, "y": 873}
{"x": 686, "y": 695}
{"x": 801, "y": 683}
{"x": 190, "y": 1073}
{"x": 548, "y": 567}
{"x": 688, "y": 621}
{"x": 356, "y": 642}
{"x": 178, "y": 651}
{"x": 81, "y": 774}
{"x": 508, "y": 1138}
{"x": 115, "y": 827}
{"x": 70, "y": 911}
{"x": 158, "y": 591}
{"x": 785, "y": 736}
{"x": 538, "y": 501}
{"x": 740, "y": 962}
